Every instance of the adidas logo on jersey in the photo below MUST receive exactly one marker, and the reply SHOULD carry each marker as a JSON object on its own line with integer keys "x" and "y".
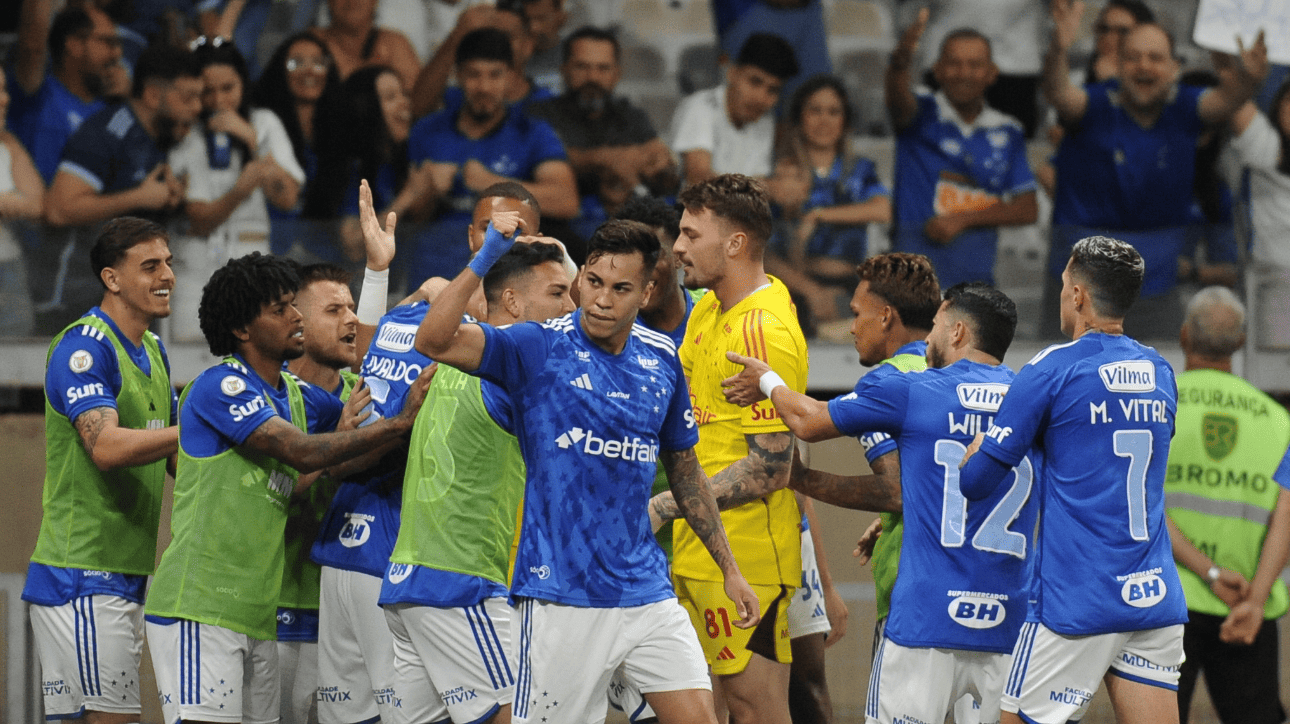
{"x": 582, "y": 382}
{"x": 726, "y": 654}
{"x": 633, "y": 449}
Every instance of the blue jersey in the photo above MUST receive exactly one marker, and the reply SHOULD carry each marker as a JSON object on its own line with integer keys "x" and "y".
{"x": 963, "y": 567}
{"x": 1101, "y": 411}
{"x": 1116, "y": 177}
{"x": 84, "y": 373}
{"x": 591, "y": 426}
{"x": 226, "y": 403}
{"x": 514, "y": 149}
{"x": 944, "y": 166}
{"x": 851, "y": 183}
{"x": 112, "y": 152}
{"x": 875, "y": 443}
{"x": 44, "y": 120}
{"x": 362, "y": 521}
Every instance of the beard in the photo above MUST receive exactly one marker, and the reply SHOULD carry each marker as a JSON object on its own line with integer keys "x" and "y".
{"x": 479, "y": 114}
{"x": 592, "y": 99}
{"x": 935, "y": 359}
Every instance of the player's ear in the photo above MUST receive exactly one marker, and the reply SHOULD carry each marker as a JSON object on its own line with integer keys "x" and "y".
{"x": 511, "y": 302}
{"x": 241, "y": 334}
{"x": 108, "y": 275}
{"x": 735, "y": 243}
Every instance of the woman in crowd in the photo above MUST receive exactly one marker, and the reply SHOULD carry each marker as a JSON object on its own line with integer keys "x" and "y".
{"x": 237, "y": 160}
{"x": 21, "y": 195}
{"x": 373, "y": 99}
{"x": 355, "y": 41}
{"x": 827, "y": 198}
{"x": 1115, "y": 21}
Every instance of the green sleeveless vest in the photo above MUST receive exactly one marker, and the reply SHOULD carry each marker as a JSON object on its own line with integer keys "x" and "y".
{"x": 886, "y": 553}
{"x": 105, "y": 521}
{"x": 224, "y": 565}
{"x": 301, "y": 577}
{"x": 1228, "y": 440}
{"x": 463, "y": 484}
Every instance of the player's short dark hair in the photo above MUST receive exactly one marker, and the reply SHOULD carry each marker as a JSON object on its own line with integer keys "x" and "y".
{"x": 908, "y": 283}
{"x": 653, "y": 212}
{"x": 991, "y": 313}
{"x": 769, "y": 52}
{"x": 738, "y": 199}
{"x": 619, "y": 236}
{"x": 1112, "y": 270}
{"x": 163, "y": 63}
{"x": 590, "y": 32}
{"x": 237, "y": 293}
{"x": 1140, "y": 11}
{"x": 323, "y": 272}
{"x": 485, "y": 44}
{"x": 514, "y": 190}
{"x": 518, "y": 261}
{"x": 69, "y": 22}
{"x": 967, "y": 34}
{"x": 120, "y": 235}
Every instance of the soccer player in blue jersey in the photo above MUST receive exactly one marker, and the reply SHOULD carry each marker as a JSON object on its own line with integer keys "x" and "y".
{"x": 961, "y": 169}
{"x": 599, "y": 400}
{"x": 973, "y": 558}
{"x": 110, "y": 430}
{"x": 1106, "y": 602}
{"x": 247, "y": 442}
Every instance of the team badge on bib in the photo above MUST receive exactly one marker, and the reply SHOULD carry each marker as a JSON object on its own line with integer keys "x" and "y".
{"x": 232, "y": 385}
{"x": 80, "y": 361}
{"x": 1219, "y": 433}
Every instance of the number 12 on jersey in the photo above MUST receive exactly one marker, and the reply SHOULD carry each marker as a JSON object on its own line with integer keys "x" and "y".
{"x": 993, "y": 535}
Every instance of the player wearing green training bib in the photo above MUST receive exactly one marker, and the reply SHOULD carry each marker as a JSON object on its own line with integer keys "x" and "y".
{"x": 1229, "y": 510}
{"x": 109, "y": 430}
{"x": 445, "y": 591}
{"x": 245, "y": 446}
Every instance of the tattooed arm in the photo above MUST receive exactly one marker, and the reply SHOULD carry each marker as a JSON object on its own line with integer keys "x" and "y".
{"x": 111, "y": 446}
{"x": 763, "y": 471}
{"x": 693, "y": 495}
{"x": 879, "y": 492}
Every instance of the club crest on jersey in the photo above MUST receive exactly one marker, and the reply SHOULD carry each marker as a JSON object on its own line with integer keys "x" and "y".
{"x": 1143, "y": 589}
{"x": 978, "y": 611}
{"x": 396, "y": 337}
{"x": 1137, "y": 375}
{"x": 1219, "y": 434}
{"x": 232, "y": 385}
{"x": 985, "y": 396}
{"x": 80, "y": 361}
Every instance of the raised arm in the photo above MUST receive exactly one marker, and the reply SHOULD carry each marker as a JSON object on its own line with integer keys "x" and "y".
{"x": 31, "y": 51}
{"x": 1239, "y": 78}
{"x": 441, "y": 336}
{"x": 898, "y": 92}
{"x": 378, "y": 245}
{"x": 806, "y": 416}
{"x": 1070, "y": 100}
{"x": 111, "y": 446}
{"x": 690, "y": 489}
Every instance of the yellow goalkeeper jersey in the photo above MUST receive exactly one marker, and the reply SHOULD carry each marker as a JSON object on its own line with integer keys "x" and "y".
{"x": 764, "y": 534}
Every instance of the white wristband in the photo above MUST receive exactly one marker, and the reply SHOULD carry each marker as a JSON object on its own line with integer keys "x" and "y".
{"x": 769, "y": 381}
{"x": 372, "y": 298}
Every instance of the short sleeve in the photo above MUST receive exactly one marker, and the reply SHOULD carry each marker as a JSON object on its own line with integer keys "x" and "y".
{"x": 678, "y": 431}
{"x": 271, "y": 138}
{"x": 874, "y": 406}
{"x": 230, "y": 404}
{"x": 512, "y": 354}
{"x": 83, "y": 373}
{"x": 545, "y": 144}
{"x": 1021, "y": 416}
{"x": 692, "y": 125}
{"x": 863, "y": 183}
{"x": 188, "y": 160}
{"x": 498, "y": 405}
{"x": 766, "y": 338}
{"x": 1020, "y": 179}
{"x": 322, "y": 409}
{"x": 88, "y": 156}
{"x": 422, "y": 139}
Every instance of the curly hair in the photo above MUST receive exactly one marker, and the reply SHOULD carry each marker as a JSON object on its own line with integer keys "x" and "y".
{"x": 236, "y": 295}
{"x": 908, "y": 283}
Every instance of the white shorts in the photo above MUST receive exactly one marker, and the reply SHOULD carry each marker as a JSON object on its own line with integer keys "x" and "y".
{"x": 1054, "y": 677}
{"x": 89, "y": 650}
{"x": 567, "y": 655}
{"x": 210, "y": 673}
{"x": 806, "y": 614}
{"x": 298, "y": 672}
{"x": 626, "y": 697}
{"x": 357, "y": 681}
{"x": 463, "y": 655}
{"x": 924, "y": 684}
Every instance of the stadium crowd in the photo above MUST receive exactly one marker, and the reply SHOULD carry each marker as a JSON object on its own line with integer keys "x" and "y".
{"x": 561, "y": 472}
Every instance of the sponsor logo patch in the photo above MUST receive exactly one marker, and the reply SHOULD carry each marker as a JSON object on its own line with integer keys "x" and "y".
{"x": 80, "y": 361}
{"x": 396, "y": 337}
{"x": 1138, "y": 375}
{"x": 985, "y": 397}
{"x": 232, "y": 385}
